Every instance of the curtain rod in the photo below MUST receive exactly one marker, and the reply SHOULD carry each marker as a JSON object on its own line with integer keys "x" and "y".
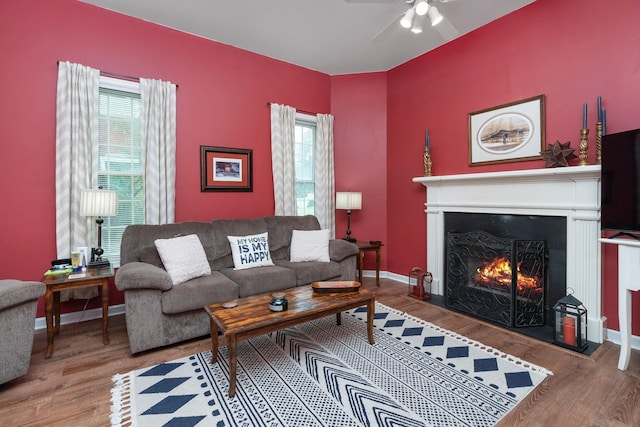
{"x": 297, "y": 111}
{"x": 121, "y": 76}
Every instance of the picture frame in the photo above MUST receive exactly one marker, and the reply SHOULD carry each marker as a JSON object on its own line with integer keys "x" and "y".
{"x": 225, "y": 169}
{"x": 507, "y": 133}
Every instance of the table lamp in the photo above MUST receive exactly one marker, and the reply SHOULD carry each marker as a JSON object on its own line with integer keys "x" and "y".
{"x": 349, "y": 201}
{"x": 98, "y": 203}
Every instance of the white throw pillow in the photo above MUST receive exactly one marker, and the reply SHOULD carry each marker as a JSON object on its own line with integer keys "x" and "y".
{"x": 183, "y": 258}
{"x": 250, "y": 251}
{"x": 312, "y": 245}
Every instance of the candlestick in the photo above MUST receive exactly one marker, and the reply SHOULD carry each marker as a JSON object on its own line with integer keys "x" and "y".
{"x": 584, "y": 147}
{"x": 427, "y": 162}
{"x": 584, "y": 116}
{"x": 598, "y": 143}
{"x": 604, "y": 121}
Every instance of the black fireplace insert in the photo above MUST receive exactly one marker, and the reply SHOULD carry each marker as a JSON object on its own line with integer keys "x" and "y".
{"x": 498, "y": 279}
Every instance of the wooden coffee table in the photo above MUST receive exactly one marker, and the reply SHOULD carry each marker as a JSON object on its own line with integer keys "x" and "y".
{"x": 252, "y": 317}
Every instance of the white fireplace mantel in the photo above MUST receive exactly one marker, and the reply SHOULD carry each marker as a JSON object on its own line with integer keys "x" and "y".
{"x": 570, "y": 192}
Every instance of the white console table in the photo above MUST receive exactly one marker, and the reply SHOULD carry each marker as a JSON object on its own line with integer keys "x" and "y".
{"x": 628, "y": 281}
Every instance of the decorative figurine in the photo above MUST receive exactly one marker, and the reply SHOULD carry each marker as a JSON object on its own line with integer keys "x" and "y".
{"x": 558, "y": 154}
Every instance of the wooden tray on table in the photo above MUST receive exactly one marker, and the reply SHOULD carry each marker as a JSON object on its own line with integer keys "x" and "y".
{"x": 335, "y": 286}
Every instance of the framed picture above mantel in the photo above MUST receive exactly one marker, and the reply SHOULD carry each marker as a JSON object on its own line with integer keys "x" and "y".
{"x": 225, "y": 169}
{"x": 507, "y": 133}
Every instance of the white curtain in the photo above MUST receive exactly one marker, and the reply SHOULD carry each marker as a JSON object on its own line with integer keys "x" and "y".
{"x": 76, "y": 150}
{"x": 158, "y": 121}
{"x": 324, "y": 174}
{"x": 283, "y": 124}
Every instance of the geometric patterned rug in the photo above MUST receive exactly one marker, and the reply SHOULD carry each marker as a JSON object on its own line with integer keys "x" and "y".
{"x": 321, "y": 374}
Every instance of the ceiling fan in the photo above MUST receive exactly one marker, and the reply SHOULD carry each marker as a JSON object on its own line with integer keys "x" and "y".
{"x": 415, "y": 15}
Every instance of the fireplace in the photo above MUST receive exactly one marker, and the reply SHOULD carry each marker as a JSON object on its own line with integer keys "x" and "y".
{"x": 538, "y": 243}
{"x": 570, "y": 195}
{"x": 496, "y": 279}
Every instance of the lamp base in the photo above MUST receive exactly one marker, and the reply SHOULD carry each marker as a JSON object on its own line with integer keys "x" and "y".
{"x": 349, "y": 239}
{"x": 98, "y": 263}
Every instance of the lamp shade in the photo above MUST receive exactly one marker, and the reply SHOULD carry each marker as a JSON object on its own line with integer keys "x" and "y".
{"x": 349, "y": 200}
{"x": 98, "y": 203}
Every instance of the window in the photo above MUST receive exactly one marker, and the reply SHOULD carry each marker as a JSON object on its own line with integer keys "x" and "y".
{"x": 305, "y": 140}
{"x": 120, "y": 165}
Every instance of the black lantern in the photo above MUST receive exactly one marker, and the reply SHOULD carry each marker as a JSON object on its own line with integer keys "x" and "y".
{"x": 420, "y": 284}
{"x": 570, "y": 328}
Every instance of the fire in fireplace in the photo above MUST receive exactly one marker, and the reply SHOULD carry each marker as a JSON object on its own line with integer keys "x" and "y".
{"x": 481, "y": 280}
{"x": 498, "y": 273}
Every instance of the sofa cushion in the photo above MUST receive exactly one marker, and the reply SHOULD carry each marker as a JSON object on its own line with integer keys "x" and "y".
{"x": 250, "y": 251}
{"x": 280, "y": 229}
{"x": 137, "y": 238}
{"x": 261, "y": 279}
{"x": 196, "y": 293}
{"x": 183, "y": 258}
{"x": 231, "y": 227}
{"x": 308, "y": 272}
{"x": 310, "y": 245}
{"x": 150, "y": 255}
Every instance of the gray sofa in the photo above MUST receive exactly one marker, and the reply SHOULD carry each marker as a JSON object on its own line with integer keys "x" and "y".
{"x": 159, "y": 313}
{"x": 18, "y": 301}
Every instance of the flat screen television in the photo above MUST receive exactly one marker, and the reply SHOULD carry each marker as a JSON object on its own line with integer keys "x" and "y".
{"x": 620, "y": 191}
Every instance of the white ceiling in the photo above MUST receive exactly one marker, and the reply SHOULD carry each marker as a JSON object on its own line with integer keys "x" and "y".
{"x": 330, "y": 36}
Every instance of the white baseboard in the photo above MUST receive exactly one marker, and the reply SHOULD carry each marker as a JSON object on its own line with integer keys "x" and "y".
{"x": 614, "y": 337}
{"x": 81, "y": 316}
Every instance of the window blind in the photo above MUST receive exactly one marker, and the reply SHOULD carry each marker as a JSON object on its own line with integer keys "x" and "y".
{"x": 120, "y": 162}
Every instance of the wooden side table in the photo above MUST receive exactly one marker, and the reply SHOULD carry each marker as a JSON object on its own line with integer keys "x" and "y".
{"x": 364, "y": 247}
{"x": 95, "y": 276}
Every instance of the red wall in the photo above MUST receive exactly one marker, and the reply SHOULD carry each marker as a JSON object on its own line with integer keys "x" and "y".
{"x": 571, "y": 51}
{"x": 221, "y": 100}
{"x": 359, "y": 104}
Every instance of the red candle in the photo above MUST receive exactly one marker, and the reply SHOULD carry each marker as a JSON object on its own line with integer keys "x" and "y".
{"x": 569, "y": 330}
{"x": 416, "y": 290}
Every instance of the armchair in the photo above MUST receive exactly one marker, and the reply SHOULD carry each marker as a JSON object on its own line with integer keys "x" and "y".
{"x": 18, "y": 301}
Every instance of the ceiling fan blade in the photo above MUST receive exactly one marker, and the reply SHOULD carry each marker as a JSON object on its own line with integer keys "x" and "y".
{"x": 390, "y": 27}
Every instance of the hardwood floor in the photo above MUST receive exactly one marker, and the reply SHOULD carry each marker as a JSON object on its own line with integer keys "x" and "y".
{"x": 73, "y": 386}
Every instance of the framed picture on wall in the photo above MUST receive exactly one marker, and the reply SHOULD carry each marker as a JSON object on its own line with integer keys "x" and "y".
{"x": 225, "y": 169}
{"x": 507, "y": 133}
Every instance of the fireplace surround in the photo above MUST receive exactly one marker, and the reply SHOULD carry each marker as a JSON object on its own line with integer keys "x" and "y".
{"x": 571, "y": 192}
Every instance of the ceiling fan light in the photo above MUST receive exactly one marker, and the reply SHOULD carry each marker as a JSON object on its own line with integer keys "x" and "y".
{"x": 416, "y": 28}
{"x": 434, "y": 16}
{"x": 407, "y": 19}
{"x": 422, "y": 7}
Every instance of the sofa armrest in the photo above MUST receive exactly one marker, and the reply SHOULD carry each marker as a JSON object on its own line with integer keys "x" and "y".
{"x": 341, "y": 249}
{"x": 140, "y": 275}
{"x": 15, "y": 292}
